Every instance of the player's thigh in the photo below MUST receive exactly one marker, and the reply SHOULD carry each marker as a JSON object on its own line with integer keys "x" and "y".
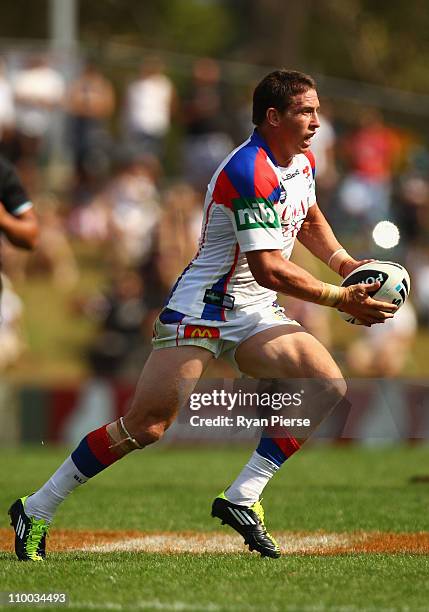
{"x": 168, "y": 378}
{"x": 285, "y": 351}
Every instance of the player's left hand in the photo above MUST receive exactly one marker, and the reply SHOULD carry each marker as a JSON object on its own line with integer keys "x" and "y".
{"x": 351, "y": 264}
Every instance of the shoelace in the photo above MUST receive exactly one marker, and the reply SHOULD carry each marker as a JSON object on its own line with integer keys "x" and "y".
{"x": 37, "y": 530}
{"x": 259, "y": 511}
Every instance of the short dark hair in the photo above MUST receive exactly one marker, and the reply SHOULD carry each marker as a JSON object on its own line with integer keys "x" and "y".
{"x": 276, "y": 90}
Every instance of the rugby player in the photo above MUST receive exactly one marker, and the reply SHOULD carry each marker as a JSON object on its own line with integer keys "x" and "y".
{"x": 260, "y": 199}
{"x": 18, "y": 222}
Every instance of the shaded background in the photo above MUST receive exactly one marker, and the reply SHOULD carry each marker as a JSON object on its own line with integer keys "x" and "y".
{"x": 117, "y": 113}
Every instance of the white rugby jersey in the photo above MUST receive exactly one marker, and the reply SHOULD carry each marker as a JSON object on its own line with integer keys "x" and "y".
{"x": 251, "y": 204}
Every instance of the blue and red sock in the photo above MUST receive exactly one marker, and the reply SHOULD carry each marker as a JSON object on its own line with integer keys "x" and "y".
{"x": 277, "y": 449}
{"x": 93, "y": 454}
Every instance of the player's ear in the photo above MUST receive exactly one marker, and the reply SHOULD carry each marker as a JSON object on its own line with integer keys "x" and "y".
{"x": 273, "y": 116}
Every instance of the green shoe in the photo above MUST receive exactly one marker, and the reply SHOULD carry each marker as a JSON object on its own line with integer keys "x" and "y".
{"x": 30, "y": 533}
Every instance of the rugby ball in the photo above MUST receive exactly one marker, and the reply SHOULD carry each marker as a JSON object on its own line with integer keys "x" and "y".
{"x": 394, "y": 283}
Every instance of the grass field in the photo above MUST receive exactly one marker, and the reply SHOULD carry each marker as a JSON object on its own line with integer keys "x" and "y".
{"x": 322, "y": 493}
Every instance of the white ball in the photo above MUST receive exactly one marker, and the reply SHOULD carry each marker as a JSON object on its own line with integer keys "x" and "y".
{"x": 394, "y": 283}
{"x": 386, "y": 235}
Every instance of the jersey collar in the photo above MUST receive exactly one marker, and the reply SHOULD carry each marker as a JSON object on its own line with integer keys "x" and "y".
{"x": 257, "y": 139}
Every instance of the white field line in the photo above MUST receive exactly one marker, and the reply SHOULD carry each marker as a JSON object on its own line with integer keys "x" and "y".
{"x": 219, "y": 543}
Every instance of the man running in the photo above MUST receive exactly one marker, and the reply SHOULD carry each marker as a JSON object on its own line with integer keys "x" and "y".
{"x": 260, "y": 199}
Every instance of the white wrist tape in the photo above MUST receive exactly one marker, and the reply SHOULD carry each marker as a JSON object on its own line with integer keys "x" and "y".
{"x": 340, "y": 256}
{"x": 331, "y": 295}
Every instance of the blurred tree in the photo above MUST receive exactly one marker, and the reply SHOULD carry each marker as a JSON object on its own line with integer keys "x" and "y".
{"x": 200, "y": 27}
{"x": 274, "y": 32}
{"x": 380, "y": 42}
{"x": 24, "y": 19}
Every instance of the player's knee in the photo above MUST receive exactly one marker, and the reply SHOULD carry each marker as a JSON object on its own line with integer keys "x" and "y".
{"x": 325, "y": 369}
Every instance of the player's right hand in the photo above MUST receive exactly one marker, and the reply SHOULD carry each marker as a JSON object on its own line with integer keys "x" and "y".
{"x": 356, "y": 300}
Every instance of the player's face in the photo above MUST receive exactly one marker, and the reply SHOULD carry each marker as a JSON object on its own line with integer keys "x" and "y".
{"x": 298, "y": 124}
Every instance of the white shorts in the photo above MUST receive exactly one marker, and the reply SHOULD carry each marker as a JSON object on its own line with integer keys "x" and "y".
{"x": 222, "y": 338}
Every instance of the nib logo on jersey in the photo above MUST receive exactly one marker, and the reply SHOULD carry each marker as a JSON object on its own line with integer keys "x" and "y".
{"x": 253, "y": 213}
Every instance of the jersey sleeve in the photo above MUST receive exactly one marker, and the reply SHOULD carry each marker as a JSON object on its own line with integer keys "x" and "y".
{"x": 12, "y": 194}
{"x": 312, "y": 178}
{"x": 249, "y": 189}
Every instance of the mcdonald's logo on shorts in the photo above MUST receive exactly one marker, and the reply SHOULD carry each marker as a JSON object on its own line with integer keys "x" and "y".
{"x": 200, "y": 331}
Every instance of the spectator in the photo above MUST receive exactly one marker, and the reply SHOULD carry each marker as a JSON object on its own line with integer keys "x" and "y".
{"x": 39, "y": 91}
{"x": 178, "y": 232}
{"x": 7, "y": 107}
{"x": 89, "y": 219}
{"x": 121, "y": 314}
{"x": 11, "y": 340}
{"x": 383, "y": 350}
{"x": 124, "y": 212}
{"x": 418, "y": 264}
{"x": 370, "y": 153}
{"x": 206, "y": 139}
{"x": 90, "y": 103}
{"x": 18, "y": 222}
{"x": 412, "y": 198}
{"x": 150, "y": 103}
{"x": 131, "y": 199}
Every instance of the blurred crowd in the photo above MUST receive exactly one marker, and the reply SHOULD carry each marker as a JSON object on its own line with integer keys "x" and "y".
{"x": 135, "y": 162}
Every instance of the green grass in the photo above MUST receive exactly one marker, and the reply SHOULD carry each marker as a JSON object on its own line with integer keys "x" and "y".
{"x": 130, "y": 581}
{"x": 170, "y": 488}
{"x": 336, "y": 489}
